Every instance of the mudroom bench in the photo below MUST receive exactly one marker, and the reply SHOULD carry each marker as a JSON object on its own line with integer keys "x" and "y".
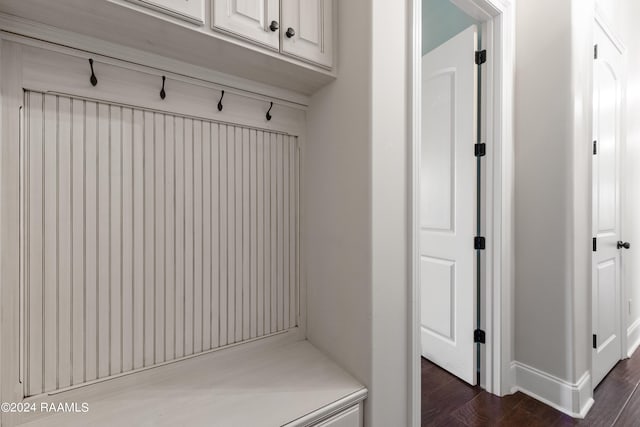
{"x": 257, "y": 384}
{"x": 157, "y": 272}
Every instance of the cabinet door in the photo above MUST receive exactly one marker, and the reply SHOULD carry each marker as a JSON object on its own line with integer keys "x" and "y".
{"x": 189, "y": 10}
{"x": 307, "y": 30}
{"x": 249, "y": 19}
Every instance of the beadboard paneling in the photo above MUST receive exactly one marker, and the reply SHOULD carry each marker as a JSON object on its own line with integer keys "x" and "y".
{"x": 149, "y": 237}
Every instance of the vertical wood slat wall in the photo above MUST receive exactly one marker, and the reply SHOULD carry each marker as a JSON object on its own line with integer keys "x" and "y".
{"x": 149, "y": 237}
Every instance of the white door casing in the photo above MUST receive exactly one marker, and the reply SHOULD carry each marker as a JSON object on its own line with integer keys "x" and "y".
{"x": 606, "y": 258}
{"x": 447, "y": 205}
{"x": 249, "y": 19}
{"x": 307, "y": 30}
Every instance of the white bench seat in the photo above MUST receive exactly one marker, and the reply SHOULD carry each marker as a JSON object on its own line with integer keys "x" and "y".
{"x": 290, "y": 383}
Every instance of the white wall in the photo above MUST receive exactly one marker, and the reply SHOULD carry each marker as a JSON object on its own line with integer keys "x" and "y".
{"x": 337, "y": 217}
{"x": 552, "y": 199}
{"x": 355, "y": 214}
{"x": 582, "y": 19}
{"x": 389, "y": 225}
{"x": 543, "y": 208}
{"x": 631, "y": 223}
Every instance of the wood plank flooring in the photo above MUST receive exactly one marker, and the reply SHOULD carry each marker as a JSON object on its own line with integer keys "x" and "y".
{"x": 448, "y": 401}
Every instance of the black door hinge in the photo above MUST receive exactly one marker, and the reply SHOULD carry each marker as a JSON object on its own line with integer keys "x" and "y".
{"x": 595, "y": 147}
{"x": 479, "y": 336}
{"x": 595, "y": 341}
{"x": 595, "y": 244}
{"x": 481, "y": 149}
{"x": 481, "y": 57}
{"x": 479, "y": 243}
{"x": 595, "y": 51}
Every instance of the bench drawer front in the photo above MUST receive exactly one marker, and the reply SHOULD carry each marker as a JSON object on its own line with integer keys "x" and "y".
{"x": 350, "y": 417}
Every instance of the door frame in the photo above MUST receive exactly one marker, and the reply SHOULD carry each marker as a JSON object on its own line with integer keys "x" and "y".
{"x": 498, "y": 35}
{"x": 601, "y": 21}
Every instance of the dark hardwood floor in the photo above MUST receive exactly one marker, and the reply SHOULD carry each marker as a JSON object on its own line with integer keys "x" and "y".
{"x": 448, "y": 401}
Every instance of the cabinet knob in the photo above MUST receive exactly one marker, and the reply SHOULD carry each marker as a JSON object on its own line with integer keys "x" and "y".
{"x": 274, "y": 26}
{"x": 290, "y": 32}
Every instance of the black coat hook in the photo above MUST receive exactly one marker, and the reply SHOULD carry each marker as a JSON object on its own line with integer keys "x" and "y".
{"x": 163, "y": 94}
{"x": 93, "y": 79}
{"x": 220, "y": 102}
{"x": 269, "y": 112}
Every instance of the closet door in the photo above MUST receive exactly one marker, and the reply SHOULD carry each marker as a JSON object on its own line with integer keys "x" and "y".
{"x": 307, "y": 30}
{"x": 607, "y": 259}
{"x": 255, "y": 20}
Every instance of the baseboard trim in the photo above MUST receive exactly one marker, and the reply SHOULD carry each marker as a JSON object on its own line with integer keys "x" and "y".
{"x": 633, "y": 337}
{"x": 574, "y": 400}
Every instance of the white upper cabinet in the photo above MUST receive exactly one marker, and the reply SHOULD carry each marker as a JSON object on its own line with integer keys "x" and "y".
{"x": 255, "y": 20}
{"x": 307, "y": 30}
{"x": 233, "y": 38}
{"x": 298, "y": 28}
{"x": 189, "y": 10}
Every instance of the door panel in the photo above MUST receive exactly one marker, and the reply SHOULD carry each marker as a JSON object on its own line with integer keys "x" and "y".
{"x": 439, "y": 296}
{"x": 606, "y": 269}
{"x": 249, "y": 19}
{"x": 190, "y": 10}
{"x": 437, "y": 178}
{"x": 605, "y": 283}
{"x": 312, "y": 25}
{"x": 447, "y": 205}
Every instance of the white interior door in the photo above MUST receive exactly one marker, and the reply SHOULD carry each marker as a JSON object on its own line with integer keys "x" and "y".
{"x": 447, "y": 205}
{"x": 249, "y": 19}
{"x": 606, "y": 268}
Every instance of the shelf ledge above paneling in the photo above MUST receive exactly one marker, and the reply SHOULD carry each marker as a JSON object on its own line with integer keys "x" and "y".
{"x": 131, "y": 32}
